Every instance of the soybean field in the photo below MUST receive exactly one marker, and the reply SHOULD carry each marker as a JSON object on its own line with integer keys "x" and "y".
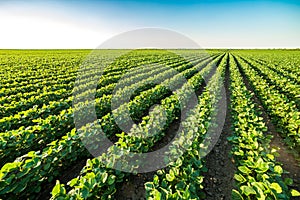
{"x": 44, "y": 153}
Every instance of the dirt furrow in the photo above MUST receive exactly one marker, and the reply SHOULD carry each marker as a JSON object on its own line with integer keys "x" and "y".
{"x": 218, "y": 180}
{"x": 68, "y": 175}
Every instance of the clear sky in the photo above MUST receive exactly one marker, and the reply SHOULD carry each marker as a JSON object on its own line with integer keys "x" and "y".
{"x": 212, "y": 24}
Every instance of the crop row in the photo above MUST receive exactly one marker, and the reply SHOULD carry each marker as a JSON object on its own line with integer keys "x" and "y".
{"x": 258, "y": 176}
{"x": 24, "y": 118}
{"x": 283, "y": 112}
{"x": 283, "y": 72}
{"x": 37, "y": 167}
{"x": 183, "y": 178}
{"x": 281, "y": 83}
{"x": 52, "y": 127}
{"x": 98, "y": 180}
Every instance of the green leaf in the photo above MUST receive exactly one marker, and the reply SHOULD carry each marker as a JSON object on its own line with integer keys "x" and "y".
{"x": 180, "y": 185}
{"x": 276, "y": 187}
{"x": 262, "y": 166}
{"x": 9, "y": 167}
{"x": 271, "y": 156}
{"x": 20, "y": 188}
{"x": 240, "y": 178}
{"x": 58, "y": 189}
{"x": 295, "y": 193}
{"x": 155, "y": 180}
{"x": 160, "y": 172}
{"x": 47, "y": 166}
{"x": 247, "y": 190}
{"x": 235, "y": 195}
{"x": 171, "y": 176}
{"x": 104, "y": 177}
{"x": 85, "y": 192}
{"x": 89, "y": 162}
{"x": 186, "y": 194}
{"x": 260, "y": 189}
{"x": 244, "y": 169}
{"x": 157, "y": 194}
{"x": 149, "y": 186}
{"x": 111, "y": 179}
{"x": 73, "y": 182}
{"x": 288, "y": 181}
{"x": 278, "y": 169}
{"x": 31, "y": 154}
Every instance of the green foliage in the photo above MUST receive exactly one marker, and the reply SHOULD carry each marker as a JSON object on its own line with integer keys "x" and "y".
{"x": 38, "y": 140}
{"x": 258, "y": 175}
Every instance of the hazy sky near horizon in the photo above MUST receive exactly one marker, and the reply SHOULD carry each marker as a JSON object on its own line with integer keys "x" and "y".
{"x": 212, "y": 24}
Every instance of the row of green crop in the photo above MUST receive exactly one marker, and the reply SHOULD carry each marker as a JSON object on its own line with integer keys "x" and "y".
{"x": 40, "y": 74}
{"x": 25, "y": 172}
{"x": 52, "y": 127}
{"x": 291, "y": 76}
{"x": 84, "y": 89}
{"x": 258, "y": 175}
{"x": 39, "y": 96}
{"x": 283, "y": 112}
{"x": 24, "y": 104}
{"x": 281, "y": 83}
{"x": 288, "y": 61}
{"x": 24, "y": 118}
{"x": 98, "y": 180}
{"x": 9, "y": 100}
{"x": 36, "y": 90}
{"x": 67, "y": 77}
{"x": 30, "y": 86}
{"x": 34, "y": 66}
{"x": 183, "y": 178}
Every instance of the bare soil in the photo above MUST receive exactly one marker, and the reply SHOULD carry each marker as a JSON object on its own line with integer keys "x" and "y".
{"x": 67, "y": 175}
{"x": 218, "y": 180}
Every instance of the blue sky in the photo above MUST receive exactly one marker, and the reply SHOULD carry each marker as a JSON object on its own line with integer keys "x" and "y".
{"x": 212, "y": 24}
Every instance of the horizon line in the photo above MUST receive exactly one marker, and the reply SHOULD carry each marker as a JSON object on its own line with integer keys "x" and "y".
{"x": 208, "y": 48}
